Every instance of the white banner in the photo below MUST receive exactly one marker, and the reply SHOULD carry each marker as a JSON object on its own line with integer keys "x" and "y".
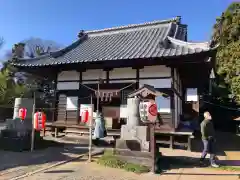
{"x": 88, "y": 107}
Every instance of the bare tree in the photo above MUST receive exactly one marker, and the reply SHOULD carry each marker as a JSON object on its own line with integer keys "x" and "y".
{"x": 35, "y": 47}
{"x": 1, "y": 42}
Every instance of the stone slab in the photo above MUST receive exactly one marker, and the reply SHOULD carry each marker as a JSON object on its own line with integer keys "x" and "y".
{"x": 137, "y": 132}
{"x": 132, "y": 145}
{"x": 136, "y": 137}
{"x": 132, "y": 153}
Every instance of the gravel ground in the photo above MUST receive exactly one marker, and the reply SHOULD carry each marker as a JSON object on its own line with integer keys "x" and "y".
{"x": 91, "y": 171}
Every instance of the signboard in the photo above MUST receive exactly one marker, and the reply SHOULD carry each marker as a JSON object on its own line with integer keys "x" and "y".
{"x": 86, "y": 107}
{"x": 148, "y": 111}
{"x": 152, "y": 109}
{"x": 143, "y": 111}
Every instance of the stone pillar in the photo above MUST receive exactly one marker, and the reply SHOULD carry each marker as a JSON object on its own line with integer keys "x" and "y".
{"x": 24, "y": 103}
{"x": 133, "y": 117}
{"x": 134, "y": 137}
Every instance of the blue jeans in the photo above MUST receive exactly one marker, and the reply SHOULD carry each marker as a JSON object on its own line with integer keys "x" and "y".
{"x": 208, "y": 147}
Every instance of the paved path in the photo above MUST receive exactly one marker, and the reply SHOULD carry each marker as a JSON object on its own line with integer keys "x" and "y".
{"x": 15, "y": 164}
{"x": 80, "y": 170}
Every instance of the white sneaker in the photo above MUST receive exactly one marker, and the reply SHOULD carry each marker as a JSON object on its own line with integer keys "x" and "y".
{"x": 214, "y": 165}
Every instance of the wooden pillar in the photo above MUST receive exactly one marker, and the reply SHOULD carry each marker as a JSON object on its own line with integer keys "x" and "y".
{"x": 153, "y": 146}
{"x": 79, "y": 95}
{"x": 137, "y": 78}
{"x": 189, "y": 148}
{"x": 137, "y": 68}
{"x": 172, "y": 102}
{"x": 56, "y": 132}
{"x": 107, "y": 76}
{"x": 107, "y": 71}
{"x": 55, "y": 99}
{"x": 171, "y": 141}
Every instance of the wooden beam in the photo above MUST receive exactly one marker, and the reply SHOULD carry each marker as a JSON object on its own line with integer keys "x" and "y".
{"x": 55, "y": 104}
{"x": 137, "y": 79}
{"x": 172, "y": 102}
{"x": 177, "y": 93}
{"x": 107, "y": 76}
{"x": 78, "y": 108}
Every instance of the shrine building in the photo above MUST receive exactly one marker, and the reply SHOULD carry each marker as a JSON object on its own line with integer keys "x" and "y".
{"x": 121, "y": 60}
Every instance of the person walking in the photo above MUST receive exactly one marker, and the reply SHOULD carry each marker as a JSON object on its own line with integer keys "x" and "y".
{"x": 208, "y": 138}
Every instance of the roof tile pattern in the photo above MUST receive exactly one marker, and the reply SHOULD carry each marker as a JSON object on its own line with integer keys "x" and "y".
{"x": 148, "y": 40}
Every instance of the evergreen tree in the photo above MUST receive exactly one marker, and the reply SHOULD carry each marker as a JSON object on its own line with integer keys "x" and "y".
{"x": 227, "y": 35}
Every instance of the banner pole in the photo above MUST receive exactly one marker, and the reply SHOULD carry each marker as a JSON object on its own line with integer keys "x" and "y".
{"x": 33, "y": 130}
{"x": 90, "y": 132}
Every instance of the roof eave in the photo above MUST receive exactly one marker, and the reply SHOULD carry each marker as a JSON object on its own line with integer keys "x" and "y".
{"x": 164, "y": 60}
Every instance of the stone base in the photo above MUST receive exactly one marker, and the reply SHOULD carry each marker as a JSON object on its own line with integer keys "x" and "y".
{"x": 134, "y": 138}
{"x": 14, "y": 140}
{"x": 132, "y": 153}
{"x": 18, "y": 124}
{"x": 136, "y": 157}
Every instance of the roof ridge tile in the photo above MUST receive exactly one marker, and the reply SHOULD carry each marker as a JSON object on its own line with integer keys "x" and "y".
{"x": 175, "y": 19}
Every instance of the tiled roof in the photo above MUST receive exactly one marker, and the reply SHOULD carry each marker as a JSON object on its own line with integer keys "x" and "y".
{"x": 148, "y": 40}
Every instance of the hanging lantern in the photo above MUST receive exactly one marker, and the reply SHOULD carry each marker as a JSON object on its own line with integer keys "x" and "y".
{"x": 85, "y": 116}
{"x": 39, "y": 120}
{"x": 22, "y": 113}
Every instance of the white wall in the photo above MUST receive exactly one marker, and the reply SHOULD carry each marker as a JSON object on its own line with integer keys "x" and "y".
{"x": 122, "y": 81}
{"x": 155, "y": 71}
{"x": 67, "y": 85}
{"x": 93, "y": 74}
{"x": 68, "y": 76}
{"x": 157, "y": 83}
{"x": 117, "y": 73}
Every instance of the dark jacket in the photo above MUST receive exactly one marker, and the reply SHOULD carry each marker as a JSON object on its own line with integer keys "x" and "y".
{"x": 207, "y": 129}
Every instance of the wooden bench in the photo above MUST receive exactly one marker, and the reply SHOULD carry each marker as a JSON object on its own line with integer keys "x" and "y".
{"x": 171, "y": 135}
{"x": 78, "y": 129}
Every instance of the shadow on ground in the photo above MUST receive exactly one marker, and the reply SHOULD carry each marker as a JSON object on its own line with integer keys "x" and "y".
{"x": 50, "y": 152}
{"x": 101, "y": 143}
{"x": 225, "y": 142}
{"x": 166, "y": 163}
{"x": 59, "y": 171}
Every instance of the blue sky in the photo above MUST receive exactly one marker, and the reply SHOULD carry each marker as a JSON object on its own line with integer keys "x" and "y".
{"x": 61, "y": 20}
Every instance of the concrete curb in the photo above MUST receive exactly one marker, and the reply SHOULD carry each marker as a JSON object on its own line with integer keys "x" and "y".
{"x": 52, "y": 166}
